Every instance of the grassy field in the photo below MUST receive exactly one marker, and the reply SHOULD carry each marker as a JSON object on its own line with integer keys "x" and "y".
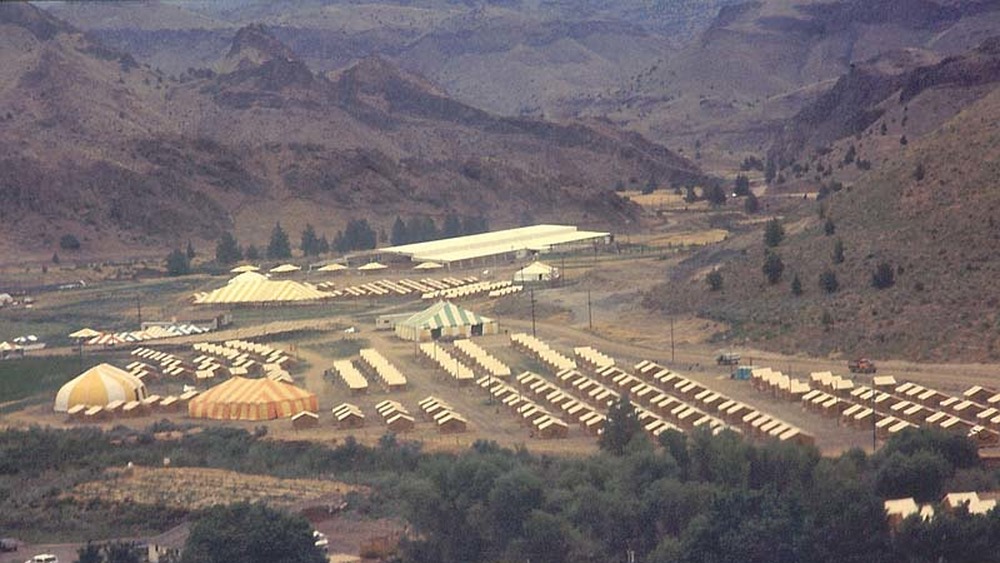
{"x": 24, "y": 378}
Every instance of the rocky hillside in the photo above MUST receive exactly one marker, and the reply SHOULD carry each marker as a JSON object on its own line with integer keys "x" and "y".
{"x": 931, "y": 215}
{"x": 929, "y": 89}
{"x": 123, "y": 156}
{"x": 760, "y": 63}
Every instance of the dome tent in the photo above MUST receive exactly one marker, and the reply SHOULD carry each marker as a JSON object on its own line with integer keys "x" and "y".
{"x": 99, "y": 386}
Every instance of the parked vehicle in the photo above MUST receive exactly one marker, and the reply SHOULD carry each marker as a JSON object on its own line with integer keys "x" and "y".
{"x": 8, "y": 544}
{"x": 43, "y": 558}
{"x": 727, "y": 359}
{"x": 861, "y": 365}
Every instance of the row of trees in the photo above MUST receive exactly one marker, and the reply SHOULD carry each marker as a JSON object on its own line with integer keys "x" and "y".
{"x": 681, "y": 498}
{"x": 423, "y": 228}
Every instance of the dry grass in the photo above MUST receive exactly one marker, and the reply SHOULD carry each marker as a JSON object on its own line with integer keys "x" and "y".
{"x": 192, "y": 488}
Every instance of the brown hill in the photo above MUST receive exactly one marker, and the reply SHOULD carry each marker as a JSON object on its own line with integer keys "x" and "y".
{"x": 891, "y": 84}
{"x": 125, "y": 157}
{"x": 931, "y": 215}
{"x": 762, "y": 62}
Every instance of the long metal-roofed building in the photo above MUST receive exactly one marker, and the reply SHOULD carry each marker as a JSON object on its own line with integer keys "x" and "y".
{"x": 510, "y": 243}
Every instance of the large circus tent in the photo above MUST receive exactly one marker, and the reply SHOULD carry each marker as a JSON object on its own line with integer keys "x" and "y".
{"x": 253, "y": 288}
{"x": 98, "y": 386}
{"x": 240, "y": 398}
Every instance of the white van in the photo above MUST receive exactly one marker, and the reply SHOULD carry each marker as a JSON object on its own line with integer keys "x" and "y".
{"x": 43, "y": 558}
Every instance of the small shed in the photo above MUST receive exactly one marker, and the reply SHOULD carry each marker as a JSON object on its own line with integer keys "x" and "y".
{"x": 451, "y": 423}
{"x": 304, "y": 420}
{"x": 348, "y": 416}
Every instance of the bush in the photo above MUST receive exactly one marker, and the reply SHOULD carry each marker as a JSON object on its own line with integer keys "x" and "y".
{"x": 69, "y": 242}
{"x": 714, "y": 279}
{"x": 883, "y": 277}
{"x": 828, "y": 281}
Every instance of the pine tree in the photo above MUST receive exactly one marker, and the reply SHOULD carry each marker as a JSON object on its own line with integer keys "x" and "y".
{"x": 838, "y": 251}
{"x": 253, "y": 253}
{"x": 773, "y": 268}
{"x": 774, "y": 233}
{"x": 828, "y": 281}
{"x": 829, "y": 228}
{"x": 178, "y": 263}
{"x": 227, "y": 250}
{"x": 279, "y": 246}
{"x": 399, "y": 234}
{"x": 751, "y": 205}
{"x": 714, "y": 279}
{"x": 796, "y": 286}
{"x": 742, "y": 185}
{"x": 309, "y": 241}
{"x": 452, "y": 226}
{"x": 190, "y": 251}
{"x": 883, "y": 277}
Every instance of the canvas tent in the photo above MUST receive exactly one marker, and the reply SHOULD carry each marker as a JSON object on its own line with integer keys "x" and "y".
{"x": 240, "y": 398}
{"x": 244, "y": 268}
{"x": 261, "y": 291}
{"x": 331, "y": 268}
{"x": 98, "y": 386}
{"x": 284, "y": 269}
{"x": 444, "y": 319}
{"x": 371, "y": 266}
{"x": 536, "y": 272}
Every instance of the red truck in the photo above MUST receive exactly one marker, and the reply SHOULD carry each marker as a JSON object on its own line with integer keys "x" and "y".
{"x": 861, "y": 365}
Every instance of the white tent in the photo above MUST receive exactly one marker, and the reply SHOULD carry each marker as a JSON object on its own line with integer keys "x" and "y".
{"x": 244, "y": 268}
{"x": 331, "y": 268}
{"x": 284, "y": 269}
{"x": 372, "y": 266}
{"x": 248, "y": 277}
{"x": 427, "y": 266}
{"x": 536, "y": 272}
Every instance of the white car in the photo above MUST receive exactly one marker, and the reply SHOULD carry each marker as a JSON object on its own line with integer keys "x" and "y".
{"x": 43, "y": 558}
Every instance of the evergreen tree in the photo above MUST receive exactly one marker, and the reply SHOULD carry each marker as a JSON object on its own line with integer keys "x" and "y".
{"x": 773, "y": 268}
{"x": 178, "y": 263}
{"x": 253, "y": 253}
{"x": 714, "y": 279}
{"x": 751, "y": 205}
{"x": 90, "y": 553}
{"x": 475, "y": 225}
{"x": 796, "y": 286}
{"x": 190, "y": 251}
{"x": 838, "y": 251}
{"x": 452, "y": 226}
{"x": 621, "y": 425}
{"x": 829, "y": 228}
{"x": 774, "y": 233}
{"x": 399, "y": 234}
{"x": 55, "y": 257}
{"x": 227, "y": 250}
{"x": 883, "y": 277}
{"x": 309, "y": 241}
{"x": 770, "y": 170}
{"x": 322, "y": 245}
{"x": 828, "y": 281}
{"x": 279, "y": 246}
{"x": 716, "y": 194}
{"x": 742, "y": 185}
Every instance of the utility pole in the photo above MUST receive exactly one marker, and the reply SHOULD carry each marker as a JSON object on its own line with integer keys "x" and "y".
{"x": 874, "y": 427}
{"x": 590, "y": 311}
{"x": 671, "y": 340}
{"x": 532, "y": 312}
{"x": 138, "y": 306}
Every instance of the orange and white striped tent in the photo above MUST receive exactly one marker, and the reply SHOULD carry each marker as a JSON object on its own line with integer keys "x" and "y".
{"x": 240, "y": 398}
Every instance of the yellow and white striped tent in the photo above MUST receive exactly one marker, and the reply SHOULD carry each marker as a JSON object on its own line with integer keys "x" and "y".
{"x": 240, "y": 398}
{"x": 261, "y": 291}
{"x": 98, "y": 386}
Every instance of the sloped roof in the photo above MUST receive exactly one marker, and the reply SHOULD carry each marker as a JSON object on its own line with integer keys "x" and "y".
{"x": 244, "y": 268}
{"x": 262, "y": 291}
{"x": 444, "y": 314}
{"x": 284, "y": 269}
{"x": 427, "y": 266}
{"x": 373, "y": 266}
{"x": 247, "y": 277}
{"x": 99, "y": 386}
{"x": 332, "y": 268}
{"x": 240, "y": 398}
{"x": 536, "y": 268}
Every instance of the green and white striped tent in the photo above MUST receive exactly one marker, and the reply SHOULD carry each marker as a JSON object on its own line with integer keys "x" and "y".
{"x": 444, "y": 319}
